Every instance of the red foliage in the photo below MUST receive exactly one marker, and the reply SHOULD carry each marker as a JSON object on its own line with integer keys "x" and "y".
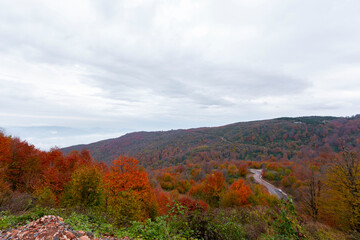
{"x": 163, "y": 200}
{"x": 192, "y": 204}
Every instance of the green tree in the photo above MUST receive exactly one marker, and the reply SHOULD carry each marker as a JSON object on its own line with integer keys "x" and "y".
{"x": 85, "y": 188}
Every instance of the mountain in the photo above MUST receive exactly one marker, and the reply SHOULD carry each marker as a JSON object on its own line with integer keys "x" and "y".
{"x": 281, "y": 138}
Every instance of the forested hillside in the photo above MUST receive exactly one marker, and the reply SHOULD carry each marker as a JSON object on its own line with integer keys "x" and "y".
{"x": 282, "y": 138}
{"x": 314, "y": 160}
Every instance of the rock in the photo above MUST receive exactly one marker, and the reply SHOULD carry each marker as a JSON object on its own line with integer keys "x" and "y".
{"x": 70, "y": 235}
{"x": 49, "y": 227}
{"x": 84, "y": 238}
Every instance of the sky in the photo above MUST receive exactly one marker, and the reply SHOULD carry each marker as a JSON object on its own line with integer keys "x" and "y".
{"x": 74, "y": 72}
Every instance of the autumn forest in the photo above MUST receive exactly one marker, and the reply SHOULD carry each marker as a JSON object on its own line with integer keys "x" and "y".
{"x": 195, "y": 183}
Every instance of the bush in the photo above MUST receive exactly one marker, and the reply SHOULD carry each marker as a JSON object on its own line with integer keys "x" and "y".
{"x": 92, "y": 222}
{"x": 16, "y": 202}
{"x": 45, "y": 197}
{"x": 286, "y": 225}
{"x": 85, "y": 188}
{"x": 8, "y": 220}
{"x": 217, "y": 224}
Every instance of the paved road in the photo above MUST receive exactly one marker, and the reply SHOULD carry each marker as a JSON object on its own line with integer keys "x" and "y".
{"x": 272, "y": 189}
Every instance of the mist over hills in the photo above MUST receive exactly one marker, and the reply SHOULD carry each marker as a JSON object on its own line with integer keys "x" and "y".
{"x": 282, "y": 138}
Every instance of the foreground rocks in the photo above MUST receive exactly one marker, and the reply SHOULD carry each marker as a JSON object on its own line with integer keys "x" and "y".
{"x": 49, "y": 228}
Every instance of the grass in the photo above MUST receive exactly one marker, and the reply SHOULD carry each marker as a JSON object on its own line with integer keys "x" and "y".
{"x": 263, "y": 223}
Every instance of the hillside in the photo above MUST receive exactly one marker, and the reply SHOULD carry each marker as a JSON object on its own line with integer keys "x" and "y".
{"x": 211, "y": 196}
{"x": 282, "y": 138}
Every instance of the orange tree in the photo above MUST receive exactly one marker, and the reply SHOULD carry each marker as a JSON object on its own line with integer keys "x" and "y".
{"x": 238, "y": 195}
{"x": 128, "y": 193}
{"x": 214, "y": 186}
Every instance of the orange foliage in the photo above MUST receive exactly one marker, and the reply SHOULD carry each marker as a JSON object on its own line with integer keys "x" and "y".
{"x": 243, "y": 170}
{"x": 197, "y": 191}
{"x": 242, "y": 191}
{"x": 214, "y": 185}
{"x": 126, "y": 182}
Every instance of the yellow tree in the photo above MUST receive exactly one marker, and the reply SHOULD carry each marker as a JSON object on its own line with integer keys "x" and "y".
{"x": 343, "y": 190}
{"x": 85, "y": 187}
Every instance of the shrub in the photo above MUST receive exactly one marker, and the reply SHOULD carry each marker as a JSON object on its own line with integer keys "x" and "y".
{"x": 18, "y": 202}
{"x": 85, "y": 188}
{"x": 45, "y": 197}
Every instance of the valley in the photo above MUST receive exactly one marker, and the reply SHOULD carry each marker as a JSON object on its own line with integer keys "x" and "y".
{"x": 285, "y": 178}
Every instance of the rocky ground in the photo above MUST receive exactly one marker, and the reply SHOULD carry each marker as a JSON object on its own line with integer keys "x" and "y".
{"x": 49, "y": 228}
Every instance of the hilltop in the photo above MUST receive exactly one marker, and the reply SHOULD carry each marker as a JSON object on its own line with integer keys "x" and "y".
{"x": 281, "y": 138}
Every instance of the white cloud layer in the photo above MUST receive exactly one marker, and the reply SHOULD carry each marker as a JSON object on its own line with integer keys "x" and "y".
{"x": 151, "y": 65}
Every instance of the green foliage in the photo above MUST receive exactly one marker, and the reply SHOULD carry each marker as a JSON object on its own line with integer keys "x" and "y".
{"x": 8, "y": 220}
{"x": 92, "y": 221}
{"x": 286, "y": 226}
{"x": 318, "y": 231}
{"x": 85, "y": 188}
{"x": 171, "y": 226}
{"x": 89, "y": 221}
{"x": 126, "y": 207}
{"x": 160, "y": 229}
{"x": 45, "y": 197}
{"x": 227, "y": 226}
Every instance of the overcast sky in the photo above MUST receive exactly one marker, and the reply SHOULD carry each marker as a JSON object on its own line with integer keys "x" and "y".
{"x": 79, "y": 71}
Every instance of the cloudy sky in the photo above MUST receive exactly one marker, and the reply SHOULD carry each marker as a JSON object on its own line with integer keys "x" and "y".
{"x": 80, "y": 71}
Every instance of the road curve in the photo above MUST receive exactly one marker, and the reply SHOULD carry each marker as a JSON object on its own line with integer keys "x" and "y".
{"x": 272, "y": 189}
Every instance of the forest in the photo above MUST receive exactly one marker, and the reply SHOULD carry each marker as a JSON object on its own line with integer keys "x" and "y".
{"x": 198, "y": 186}
{"x": 283, "y": 138}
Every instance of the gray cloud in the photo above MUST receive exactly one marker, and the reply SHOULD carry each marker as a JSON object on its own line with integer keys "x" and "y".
{"x": 151, "y": 65}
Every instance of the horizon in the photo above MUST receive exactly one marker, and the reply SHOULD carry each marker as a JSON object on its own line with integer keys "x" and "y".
{"x": 32, "y": 136}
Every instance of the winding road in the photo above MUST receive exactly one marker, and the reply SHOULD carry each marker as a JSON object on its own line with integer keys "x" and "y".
{"x": 272, "y": 189}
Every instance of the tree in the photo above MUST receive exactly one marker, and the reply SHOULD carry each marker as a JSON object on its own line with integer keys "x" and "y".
{"x": 343, "y": 183}
{"x": 238, "y": 195}
{"x": 85, "y": 187}
{"x": 129, "y": 195}
{"x": 311, "y": 193}
{"x": 214, "y": 185}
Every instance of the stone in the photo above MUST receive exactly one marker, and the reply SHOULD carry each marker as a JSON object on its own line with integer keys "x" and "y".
{"x": 50, "y": 227}
{"x": 84, "y": 238}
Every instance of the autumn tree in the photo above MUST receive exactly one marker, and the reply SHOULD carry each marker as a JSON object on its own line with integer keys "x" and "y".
{"x": 167, "y": 181}
{"x": 55, "y": 172}
{"x": 23, "y": 165}
{"x": 343, "y": 189}
{"x": 214, "y": 185}
{"x": 163, "y": 200}
{"x": 5, "y": 154}
{"x": 238, "y": 195}
{"x": 311, "y": 193}
{"x": 183, "y": 186}
{"x": 129, "y": 195}
{"x": 85, "y": 187}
